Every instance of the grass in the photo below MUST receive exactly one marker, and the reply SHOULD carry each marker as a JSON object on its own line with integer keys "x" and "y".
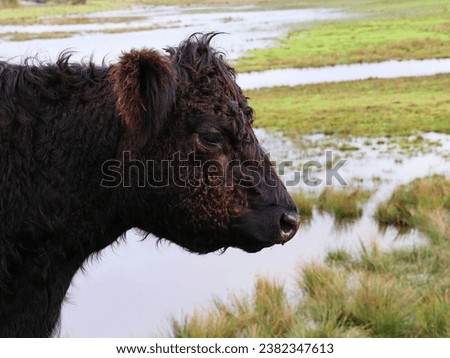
{"x": 305, "y": 204}
{"x": 128, "y": 29}
{"x": 421, "y": 204}
{"x": 408, "y": 29}
{"x": 89, "y": 20}
{"x": 27, "y": 36}
{"x": 344, "y": 205}
{"x": 266, "y": 314}
{"x": 372, "y": 108}
{"x": 400, "y": 293}
{"x": 37, "y": 14}
{"x": 27, "y": 15}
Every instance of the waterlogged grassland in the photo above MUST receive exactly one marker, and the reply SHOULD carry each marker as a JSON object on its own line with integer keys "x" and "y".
{"x": 25, "y": 15}
{"x": 408, "y": 29}
{"x": 422, "y": 204}
{"x": 355, "y": 42}
{"x": 400, "y": 293}
{"x": 27, "y": 36}
{"x": 344, "y": 205}
{"x": 33, "y": 14}
{"x": 371, "y": 108}
{"x": 384, "y": 30}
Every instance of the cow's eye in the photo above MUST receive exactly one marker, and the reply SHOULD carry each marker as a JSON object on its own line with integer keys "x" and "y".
{"x": 212, "y": 139}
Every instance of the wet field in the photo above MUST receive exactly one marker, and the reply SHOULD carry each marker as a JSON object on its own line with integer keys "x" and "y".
{"x": 159, "y": 27}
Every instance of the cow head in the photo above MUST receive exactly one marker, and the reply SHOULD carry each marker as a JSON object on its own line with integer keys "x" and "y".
{"x": 197, "y": 174}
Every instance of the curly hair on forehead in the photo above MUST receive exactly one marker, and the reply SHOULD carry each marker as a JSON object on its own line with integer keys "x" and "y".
{"x": 205, "y": 78}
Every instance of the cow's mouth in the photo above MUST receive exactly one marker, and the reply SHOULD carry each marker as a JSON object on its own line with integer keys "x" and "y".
{"x": 255, "y": 231}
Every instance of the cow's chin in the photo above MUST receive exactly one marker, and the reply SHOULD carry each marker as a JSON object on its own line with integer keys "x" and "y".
{"x": 252, "y": 247}
{"x": 207, "y": 244}
{"x": 196, "y": 243}
{"x": 204, "y": 243}
{"x": 206, "y": 248}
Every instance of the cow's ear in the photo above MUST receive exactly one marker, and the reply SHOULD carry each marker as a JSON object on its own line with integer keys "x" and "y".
{"x": 144, "y": 84}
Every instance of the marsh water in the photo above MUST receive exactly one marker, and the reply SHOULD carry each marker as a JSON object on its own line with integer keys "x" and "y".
{"x": 134, "y": 288}
{"x": 245, "y": 26}
{"x": 339, "y": 73}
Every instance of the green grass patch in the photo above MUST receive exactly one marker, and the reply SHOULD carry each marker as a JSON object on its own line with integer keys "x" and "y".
{"x": 266, "y": 314}
{"x": 128, "y": 29}
{"x": 338, "y": 257}
{"x": 400, "y": 30}
{"x": 373, "y": 108}
{"x": 422, "y": 204}
{"x": 82, "y": 20}
{"x": 401, "y": 293}
{"x": 35, "y": 14}
{"x": 333, "y": 301}
{"x": 344, "y": 205}
{"x": 305, "y": 204}
{"x": 348, "y": 148}
{"x": 13, "y": 14}
{"x": 27, "y": 36}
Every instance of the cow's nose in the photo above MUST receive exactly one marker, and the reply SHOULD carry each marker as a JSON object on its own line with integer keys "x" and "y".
{"x": 289, "y": 223}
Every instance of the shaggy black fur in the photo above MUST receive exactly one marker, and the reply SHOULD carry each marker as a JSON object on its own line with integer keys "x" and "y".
{"x": 66, "y": 127}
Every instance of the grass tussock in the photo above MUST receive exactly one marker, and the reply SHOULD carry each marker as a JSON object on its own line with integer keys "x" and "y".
{"x": 8, "y": 3}
{"x": 423, "y": 204}
{"x": 305, "y": 204}
{"x": 337, "y": 300}
{"x": 27, "y": 36}
{"x": 266, "y": 314}
{"x": 344, "y": 205}
{"x": 400, "y": 293}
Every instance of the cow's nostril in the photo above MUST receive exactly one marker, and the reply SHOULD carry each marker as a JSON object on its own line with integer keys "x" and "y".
{"x": 289, "y": 224}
